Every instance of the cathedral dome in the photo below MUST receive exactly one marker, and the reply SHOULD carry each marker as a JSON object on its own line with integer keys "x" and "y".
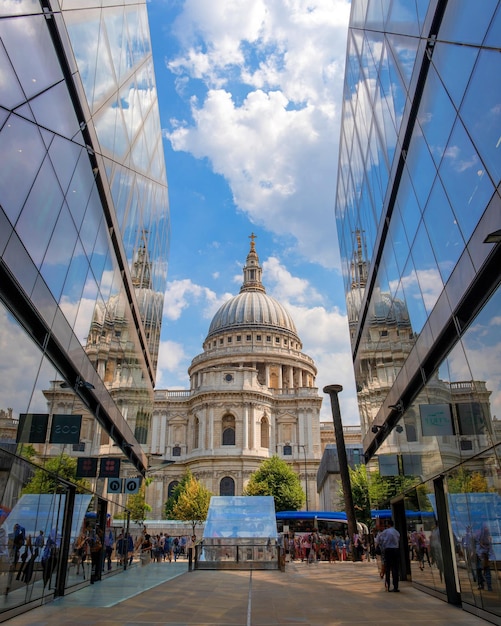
{"x": 252, "y": 308}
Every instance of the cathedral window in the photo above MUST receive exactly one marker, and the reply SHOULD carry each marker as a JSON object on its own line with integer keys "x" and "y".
{"x": 239, "y": 337}
{"x": 249, "y": 337}
{"x": 277, "y": 339}
{"x": 287, "y": 450}
{"x": 142, "y": 426}
{"x": 176, "y": 451}
{"x": 172, "y": 486}
{"x": 196, "y": 434}
{"x": 230, "y": 339}
{"x": 265, "y": 433}
{"x": 258, "y": 337}
{"x": 268, "y": 338}
{"x": 228, "y": 430}
{"x": 227, "y": 486}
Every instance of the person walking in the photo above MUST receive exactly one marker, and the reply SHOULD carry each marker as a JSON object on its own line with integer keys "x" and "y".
{"x": 389, "y": 540}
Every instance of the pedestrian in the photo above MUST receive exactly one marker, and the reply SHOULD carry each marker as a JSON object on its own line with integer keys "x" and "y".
{"x": 389, "y": 541}
{"x": 145, "y": 549}
{"x": 109, "y": 543}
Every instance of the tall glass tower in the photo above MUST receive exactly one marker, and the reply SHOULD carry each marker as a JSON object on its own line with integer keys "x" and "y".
{"x": 84, "y": 238}
{"x": 418, "y": 212}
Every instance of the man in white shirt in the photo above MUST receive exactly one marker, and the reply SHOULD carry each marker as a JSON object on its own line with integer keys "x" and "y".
{"x": 389, "y": 541}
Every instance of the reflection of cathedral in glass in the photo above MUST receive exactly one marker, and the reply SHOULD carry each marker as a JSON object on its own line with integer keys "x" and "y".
{"x": 417, "y": 211}
{"x": 386, "y": 342}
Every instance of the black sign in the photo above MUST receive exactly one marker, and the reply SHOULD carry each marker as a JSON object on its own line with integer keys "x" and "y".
{"x": 32, "y": 428}
{"x": 86, "y": 468}
{"x": 65, "y": 429}
{"x": 109, "y": 468}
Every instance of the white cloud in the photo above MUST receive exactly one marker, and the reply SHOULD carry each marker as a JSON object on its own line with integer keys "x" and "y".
{"x": 171, "y": 355}
{"x": 180, "y": 294}
{"x": 270, "y": 121}
{"x": 287, "y": 287}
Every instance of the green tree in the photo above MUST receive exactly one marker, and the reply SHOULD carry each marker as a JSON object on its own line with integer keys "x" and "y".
{"x": 137, "y": 505}
{"x": 466, "y": 481}
{"x": 192, "y": 503}
{"x": 45, "y": 479}
{"x": 177, "y": 491}
{"x": 370, "y": 490}
{"x": 276, "y": 478}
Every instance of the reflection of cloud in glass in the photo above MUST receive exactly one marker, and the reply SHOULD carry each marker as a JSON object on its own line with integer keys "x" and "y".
{"x": 423, "y": 283}
{"x": 453, "y": 153}
{"x": 483, "y": 353}
{"x": 18, "y": 373}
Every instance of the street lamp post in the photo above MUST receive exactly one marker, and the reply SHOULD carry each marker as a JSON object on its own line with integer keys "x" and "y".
{"x": 300, "y": 445}
{"x": 333, "y": 391}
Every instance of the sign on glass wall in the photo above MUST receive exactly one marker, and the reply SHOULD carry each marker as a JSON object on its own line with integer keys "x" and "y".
{"x": 388, "y": 465}
{"x": 436, "y": 419}
{"x": 109, "y": 468}
{"x": 32, "y": 427}
{"x": 86, "y": 467}
{"x": 65, "y": 429}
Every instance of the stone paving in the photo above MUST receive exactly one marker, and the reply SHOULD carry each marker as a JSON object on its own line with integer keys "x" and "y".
{"x": 327, "y": 594}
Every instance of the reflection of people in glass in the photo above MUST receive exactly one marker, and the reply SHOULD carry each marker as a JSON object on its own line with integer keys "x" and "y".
{"x": 49, "y": 557}
{"x": 470, "y": 552}
{"x": 4, "y": 542}
{"x": 436, "y": 551}
{"x": 483, "y": 544}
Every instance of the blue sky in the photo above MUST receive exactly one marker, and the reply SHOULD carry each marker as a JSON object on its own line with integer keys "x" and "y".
{"x": 250, "y": 105}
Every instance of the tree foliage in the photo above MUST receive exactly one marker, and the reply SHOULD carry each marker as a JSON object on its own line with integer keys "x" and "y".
{"x": 177, "y": 491}
{"x": 137, "y": 505}
{"x": 45, "y": 479}
{"x": 192, "y": 503}
{"x": 370, "y": 490}
{"x": 466, "y": 481}
{"x": 276, "y": 478}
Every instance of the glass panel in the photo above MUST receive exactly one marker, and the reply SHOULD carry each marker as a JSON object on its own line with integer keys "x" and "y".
{"x": 403, "y": 17}
{"x": 59, "y": 252}
{"x": 425, "y": 547}
{"x": 413, "y": 297}
{"x": 482, "y": 348}
{"x": 436, "y": 115}
{"x": 481, "y": 111}
{"x": 64, "y": 156}
{"x": 420, "y": 163}
{"x": 40, "y": 213}
{"x": 464, "y": 23}
{"x": 465, "y": 181}
{"x": 408, "y": 211}
{"x": 474, "y": 501}
{"x": 18, "y": 138}
{"x": 35, "y": 61}
{"x": 443, "y": 231}
{"x": 56, "y": 98}
{"x": 454, "y": 65}
{"x": 427, "y": 272}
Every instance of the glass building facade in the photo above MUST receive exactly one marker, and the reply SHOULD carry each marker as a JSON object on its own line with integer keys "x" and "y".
{"x": 84, "y": 238}
{"x": 418, "y": 211}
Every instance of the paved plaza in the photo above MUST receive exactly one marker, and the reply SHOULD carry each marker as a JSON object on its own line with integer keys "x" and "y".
{"x": 327, "y": 594}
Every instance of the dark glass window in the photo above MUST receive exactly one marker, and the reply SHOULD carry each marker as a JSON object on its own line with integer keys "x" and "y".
{"x": 171, "y": 488}
{"x": 229, "y": 437}
{"x": 227, "y": 486}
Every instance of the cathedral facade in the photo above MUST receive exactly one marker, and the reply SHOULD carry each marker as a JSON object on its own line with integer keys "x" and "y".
{"x": 252, "y": 395}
